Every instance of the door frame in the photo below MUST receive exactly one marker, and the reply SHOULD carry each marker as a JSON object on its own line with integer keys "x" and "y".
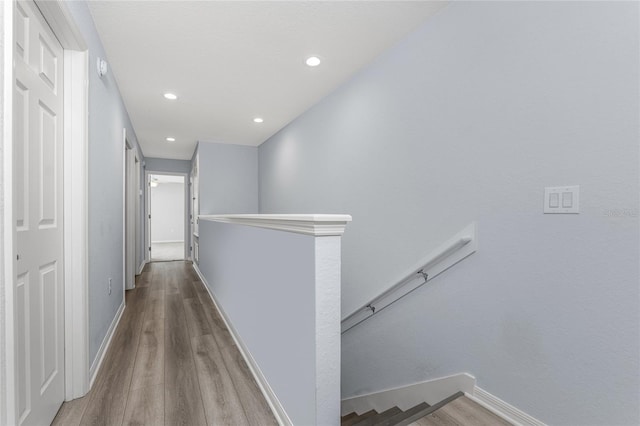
{"x": 187, "y": 209}
{"x": 76, "y": 68}
{"x": 129, "y": 193}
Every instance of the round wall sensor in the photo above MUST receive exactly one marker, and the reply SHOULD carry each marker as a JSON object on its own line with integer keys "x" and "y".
{"x": 102, "y": 67}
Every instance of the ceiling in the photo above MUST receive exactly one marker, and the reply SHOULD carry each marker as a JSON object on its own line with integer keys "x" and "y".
{"x": 231, "y": 61}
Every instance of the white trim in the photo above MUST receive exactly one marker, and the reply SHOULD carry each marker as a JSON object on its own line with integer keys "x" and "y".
{"x": 130, "y": 224}
{"x": 147, "y": 212}
{"x": 275, "y": 405}
{"x": 168, "y": 241}
{"x": 106, "y": 342}
{"x": 75, "y": 224}
{"x": 58, "y": 16}
{"x": 307, "y": 224}
{"x": 405, "y": 397}
{"x": 7, "y": 357}
{"x": 138, "y": 229}
{"x": 501, "y": 408}
{"x": 124, "y": 212}
{"x": 144, "y": 262}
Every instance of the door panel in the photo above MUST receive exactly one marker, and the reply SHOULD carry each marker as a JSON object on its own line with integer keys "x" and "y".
{"x": 38, "y": 204}
{"x": 20, "y": 150}
{"x": 49, "y": 287}
{"x": 47, "y": 169}
{"x": 23, "y": 353}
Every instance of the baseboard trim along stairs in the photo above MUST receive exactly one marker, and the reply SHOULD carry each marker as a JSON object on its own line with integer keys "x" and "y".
{"x": 408, "y": 404}
{"x": 502, "y": 409}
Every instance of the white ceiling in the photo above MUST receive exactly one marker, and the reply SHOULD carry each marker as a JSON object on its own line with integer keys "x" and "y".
{"x": 231, "y": 61}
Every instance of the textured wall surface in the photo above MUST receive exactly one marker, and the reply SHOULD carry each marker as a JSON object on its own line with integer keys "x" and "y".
{"x": 470, "y": 118}
{"x": 107, "y": 117}
{"x": 228, "y": 178}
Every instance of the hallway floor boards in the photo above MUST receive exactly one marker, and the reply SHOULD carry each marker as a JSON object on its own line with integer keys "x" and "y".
{"x": 172, "y": 361}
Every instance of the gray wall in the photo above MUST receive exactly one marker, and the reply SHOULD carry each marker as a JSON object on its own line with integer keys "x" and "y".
{"x": 228, "y": 178}
{"x": 230, "y": 255}
{"x": 166, "y": 165}
{"x": 469, "y": 118}
{"x": 107, "y": 118}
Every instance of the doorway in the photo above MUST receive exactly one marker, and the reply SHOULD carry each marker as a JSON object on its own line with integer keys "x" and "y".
{"x": 166, "y": 217}
{"x": 131, "y": 212}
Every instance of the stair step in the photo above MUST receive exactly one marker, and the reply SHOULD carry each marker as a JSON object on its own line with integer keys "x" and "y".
{"x": 380, "y": 418}
{"x": 391, "y": 421}
{"x": 352, "y": 420}
{"x": 425, "y": 412}
{"x": 348, "y": 417}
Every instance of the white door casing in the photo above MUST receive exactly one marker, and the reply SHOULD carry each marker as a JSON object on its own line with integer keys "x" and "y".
{"x": 38, "y": 215}
{"x": 130, "y": 222}
{"x": 137, "y": 195}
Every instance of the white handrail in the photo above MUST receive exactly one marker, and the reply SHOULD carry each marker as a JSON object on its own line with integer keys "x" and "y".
{"x": 402, "y": 287}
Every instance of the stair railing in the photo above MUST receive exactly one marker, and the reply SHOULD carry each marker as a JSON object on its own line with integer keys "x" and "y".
{"x": 463, "y": 244}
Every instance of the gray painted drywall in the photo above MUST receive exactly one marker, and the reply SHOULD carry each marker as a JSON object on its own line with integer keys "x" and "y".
{"x": 107, "y": 118}
{"x": 167, "y": 208}
{"x": 228, "y": 178}
{"x": 282, "y": 341}
{"x": 166, "y": 165}
{"x": 469, "y": 118}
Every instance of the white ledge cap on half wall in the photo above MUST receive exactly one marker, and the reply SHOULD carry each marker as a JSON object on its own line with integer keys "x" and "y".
{"x": 319, "y": 225}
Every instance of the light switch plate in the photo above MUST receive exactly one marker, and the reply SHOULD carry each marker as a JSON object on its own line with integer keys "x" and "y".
{"x": 562, "y": 199}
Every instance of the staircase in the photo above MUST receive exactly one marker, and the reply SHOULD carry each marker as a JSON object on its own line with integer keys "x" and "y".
{"x": 456, "y": 410}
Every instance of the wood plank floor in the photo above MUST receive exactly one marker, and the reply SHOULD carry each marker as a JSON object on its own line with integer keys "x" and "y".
{"x": 171, "y": 361}
{"x": 461, "y": 412}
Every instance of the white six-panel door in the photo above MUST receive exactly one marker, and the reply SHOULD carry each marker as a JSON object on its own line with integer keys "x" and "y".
{"x": 38, "y": 209}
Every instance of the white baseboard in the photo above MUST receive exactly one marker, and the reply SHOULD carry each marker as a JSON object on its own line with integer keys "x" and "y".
{"x": 97, "y": 362}
{"x": 144, "y": 262}
{"x": 275, "y": 405}
{"x": 405, "y": 397}
{"x": 502, "y": 409}
{"x": 167, "y": 241}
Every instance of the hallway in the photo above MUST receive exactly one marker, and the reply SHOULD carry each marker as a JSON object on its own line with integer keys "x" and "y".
{"x": 171, "y": 361}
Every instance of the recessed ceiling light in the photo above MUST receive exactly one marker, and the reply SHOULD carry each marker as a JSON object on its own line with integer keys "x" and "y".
{"x": 170, "y": 96}
{"x": 171, "y": 139}
{"x": 258, "y": 120}
{"x": 313, "y": 61}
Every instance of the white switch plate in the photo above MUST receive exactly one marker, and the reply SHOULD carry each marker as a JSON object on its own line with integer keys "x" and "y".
{"x": 562, "y": 199}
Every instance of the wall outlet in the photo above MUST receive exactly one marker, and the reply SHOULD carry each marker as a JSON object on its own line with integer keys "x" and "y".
{"x": 110, "y": 285}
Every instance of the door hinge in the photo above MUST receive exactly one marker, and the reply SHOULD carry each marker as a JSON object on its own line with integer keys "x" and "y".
{"x": 149, "y": 248}
{"x": 149, "y": 216}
